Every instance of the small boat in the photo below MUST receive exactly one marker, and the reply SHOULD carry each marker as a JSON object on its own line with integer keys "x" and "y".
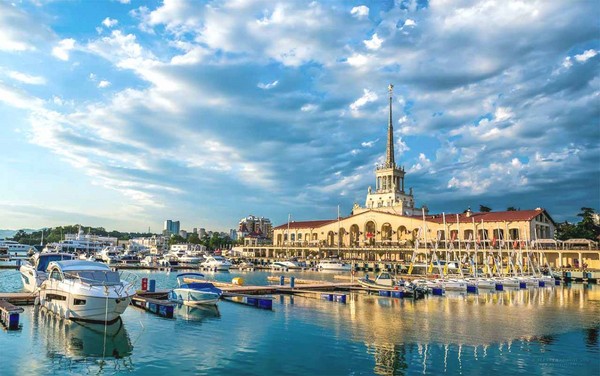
{"x": 195, "y": 293}
{"x": 85, "y": 291}
{"x": 33, "y": 272}
{"x": 453, "y": 284}
{"x": 383, "y": 281}
{"x": 334, "y": 265}
{"x": 216, "y": 262}
{"x": 110, "y": 255}
{"x": 481, "y": 283}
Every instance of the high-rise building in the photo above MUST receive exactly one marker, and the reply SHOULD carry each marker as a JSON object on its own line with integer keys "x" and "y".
{"x": 201, "y": 233}
{"x": 255, "y": 226}
{"x": 171, "y": 227}
{"x": 233, "y": 234}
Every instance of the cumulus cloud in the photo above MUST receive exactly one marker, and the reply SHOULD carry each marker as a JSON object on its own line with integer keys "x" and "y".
{"x": 588, "y": 54}
{"x": 374, "y": 43}
{"x": 360, "y": 12}
{"x": 309, "y": 107}
{"x": 61, "y": 51}
{"x": 367, "y": 97}
{"x": 103, "y": 84}
{"x": 110, "y": 22}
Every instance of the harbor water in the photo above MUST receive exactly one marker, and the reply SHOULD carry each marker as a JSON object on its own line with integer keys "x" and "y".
{"x": 535, "y": 331}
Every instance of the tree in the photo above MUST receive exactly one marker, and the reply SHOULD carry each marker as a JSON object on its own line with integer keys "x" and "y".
{"x": 585, "y": 229}
{"x": 484, "y": 209}
{"x": 511, "y": 208}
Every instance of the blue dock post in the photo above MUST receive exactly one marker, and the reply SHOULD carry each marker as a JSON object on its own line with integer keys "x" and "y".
{"x": 292, "y": 281}
{"x": 499, "y": 287}
{"x": 281, "y": 281}
{"x": 384, "y": 293}
{"x": 398, "y": 294}
{"x": 556, "y": 282}
{"x": 472, "y": 288}
{"x": 341, "y": 299}
{"x": 437, "y": 291}
{"x": 152, "y": 285}
{"x": 542, "y": 284}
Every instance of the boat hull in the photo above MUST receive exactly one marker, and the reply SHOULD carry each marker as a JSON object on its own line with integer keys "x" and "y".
{"x": 95, "y": 308}
{"x": 191, "y": 297}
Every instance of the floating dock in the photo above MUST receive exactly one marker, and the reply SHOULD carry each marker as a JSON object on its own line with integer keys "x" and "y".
{"x": 149, "y": 302}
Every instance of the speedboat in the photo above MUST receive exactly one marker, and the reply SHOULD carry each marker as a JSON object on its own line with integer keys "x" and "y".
{"x": 333, "y": 265}
{"x": 85, "y": 290}
{"x": 33, "y": 272}
{"x": 110, "y": 255}
{"x": 291, "y": 263}
{"x": 194, "y": 293}
{"x": 185, "y": 258}
{"x": 384, "y": 280}
{"x": 216, "y": 262}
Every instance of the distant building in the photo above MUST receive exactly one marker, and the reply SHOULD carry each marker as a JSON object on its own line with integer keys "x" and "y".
{"x": 171, "y": 227}
{"x": 195, "y": 230}
{"x": 255, "y": 227}
{"x": 156, "y": 244}
{"x": 201, "y": 233}
{"x": 183, "y": 234}
{"x": 233, "y": 234}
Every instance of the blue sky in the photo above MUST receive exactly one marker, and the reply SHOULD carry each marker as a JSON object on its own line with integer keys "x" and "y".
{"x": 122, "y": 114}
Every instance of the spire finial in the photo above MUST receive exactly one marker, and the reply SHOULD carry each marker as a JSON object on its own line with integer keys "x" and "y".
{"x": 389, "y": 160}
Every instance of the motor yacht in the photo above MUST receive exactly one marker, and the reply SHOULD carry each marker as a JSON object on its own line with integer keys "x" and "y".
{"x": 85, "y": 290}
{"x": 334, "y": 265}
{"x": 291, "y": 263}
{"x": 194, "y": 293}
{"x": 111, "y": 254}
{"x": 33, "y": 272}
{"x": 15, "y": 250}
{"x": 453, "y": 284}
{"x": 184, "y": 258}
{"x": 216, "y": 262}
{"x": 482, "y": 283}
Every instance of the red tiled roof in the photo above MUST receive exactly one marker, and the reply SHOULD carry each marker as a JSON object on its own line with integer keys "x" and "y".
{"x": 305, "y": 224}
{"x": 500, "y": 216}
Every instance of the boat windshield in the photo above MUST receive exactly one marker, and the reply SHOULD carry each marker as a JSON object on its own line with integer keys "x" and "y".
{"x": 96, "y": 277}
{"x": 45, "y": 260}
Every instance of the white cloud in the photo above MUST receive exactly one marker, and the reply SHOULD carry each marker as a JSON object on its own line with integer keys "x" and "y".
{"x": 62, "y": 50}
{"x": 588, "y": 54}
{"x": 374, "y": 43}
{"x": 93, "y": 77}
{"x": 124, "y": 1}
{"x": 368, "y": 144}
{"x": 267, "y": 86}
{"x": 360, "y": 11}
{"x": 409, "y": 23}
{"x": 503, "y": 113}
{"x": 25, "y": 78}
{"x": 309, "y": 107}
{"x": 367, "y": 97}
{"x": 358, "y": 60}
{"x": 103, "y": 84}
{"x": 109, "y": 22}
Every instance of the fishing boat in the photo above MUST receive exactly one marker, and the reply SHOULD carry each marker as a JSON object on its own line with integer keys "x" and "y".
{"x": 334, "y": 265}
{"x": 216, "y": 263}
{"x": 195, "y": 293}
{"x": 33, "y": 271}
{"x": 85, "y": 290}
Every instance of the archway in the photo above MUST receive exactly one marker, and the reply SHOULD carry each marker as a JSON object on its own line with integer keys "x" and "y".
{"x": 370, "y": 232}
{"x": 386, "y": 232}
{"x": 330, "y": 238}
{"x": 354, "y": 235}
{"x": 341, "y": 235}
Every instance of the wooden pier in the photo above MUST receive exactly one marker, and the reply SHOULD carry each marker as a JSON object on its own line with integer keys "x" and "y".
{"x": 18, "y": 298}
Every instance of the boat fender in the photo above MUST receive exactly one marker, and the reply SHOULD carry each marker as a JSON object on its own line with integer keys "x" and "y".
{"x": 238, "y": 281}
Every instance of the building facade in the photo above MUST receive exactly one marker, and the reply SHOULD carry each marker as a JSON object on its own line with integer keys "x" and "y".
{"x": 171, "y": 227}
{"x": 253, "y": 226}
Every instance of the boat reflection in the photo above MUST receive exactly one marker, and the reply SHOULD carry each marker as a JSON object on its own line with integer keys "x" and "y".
{"x": 73, "y": 339}
{"x": 197, "y": 313}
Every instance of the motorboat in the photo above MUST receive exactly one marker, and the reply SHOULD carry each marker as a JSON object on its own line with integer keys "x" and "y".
{"x": 334, "y": 265}
{"x": 383, "y": 281}
{"x": 150, "y": 260}
{"x": 194, "y": 293}
{"x": 216, "y": 263}
{"x": 168, "y": 260}
{"x": 33, "y": 272}
{"x": 85, "y": 290}
{"x": 426, "y": 284}
{"x": 291, "y": 263}
{"x": 184, "y": 258}
{"x": 507, "y": 281}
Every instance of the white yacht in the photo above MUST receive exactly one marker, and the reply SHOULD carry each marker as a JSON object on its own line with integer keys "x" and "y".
{"x": 110, "y": 255}
{"x": 85, "y": 290}
{"x": 16, "y": 250}
{"x": 185, "y": 258}
{"x": 334, "y": 265}
{"x": 482, "y": 283}
{"x": 33, "y": 272}
{"x": 291, "y": 263}
{"x": 216, "y": 262}
{"x": 453, "y": 284}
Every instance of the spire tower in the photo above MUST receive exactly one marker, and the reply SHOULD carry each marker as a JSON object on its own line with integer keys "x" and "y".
{"x": 389, "y": 158}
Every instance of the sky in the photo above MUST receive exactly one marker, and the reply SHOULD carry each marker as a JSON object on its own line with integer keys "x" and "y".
{"x": 123, "y": 114}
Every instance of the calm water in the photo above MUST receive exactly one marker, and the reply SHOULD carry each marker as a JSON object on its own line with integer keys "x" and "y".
{"x": 542, "y": 331}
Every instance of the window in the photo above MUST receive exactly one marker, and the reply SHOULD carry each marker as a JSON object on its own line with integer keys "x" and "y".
{"x": 78, "y": 301}
{"x": 56, "y": 275}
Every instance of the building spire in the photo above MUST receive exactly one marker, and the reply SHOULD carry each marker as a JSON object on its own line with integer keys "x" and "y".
{"x": 389, "y": 160}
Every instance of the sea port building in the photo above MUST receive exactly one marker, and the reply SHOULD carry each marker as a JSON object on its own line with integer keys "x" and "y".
{"x": 389, "y": 227}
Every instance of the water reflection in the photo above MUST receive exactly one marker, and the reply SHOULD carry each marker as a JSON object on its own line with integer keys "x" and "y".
{"x": 72, "y": 339}
{"x": 198, "y": 313}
